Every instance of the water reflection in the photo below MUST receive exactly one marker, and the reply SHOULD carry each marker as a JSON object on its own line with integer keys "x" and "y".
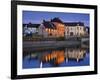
{"x": 56, "y": 58}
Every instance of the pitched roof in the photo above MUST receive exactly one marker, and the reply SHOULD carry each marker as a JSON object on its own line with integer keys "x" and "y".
{"x": 74, "y": 24}
{"x": 49, "y": 24}
{"x": 56, "y": 19}
{"x": 31, "y": 25}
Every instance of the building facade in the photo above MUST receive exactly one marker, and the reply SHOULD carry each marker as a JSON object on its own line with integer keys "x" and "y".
{"x": 76, "y": 29}
{"x": 53, "y": 28}
{"x": 57, "y": 28}
{"x": 29, "y": 29}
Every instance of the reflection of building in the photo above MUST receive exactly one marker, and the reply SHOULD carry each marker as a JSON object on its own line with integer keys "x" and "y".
{"x": 53, "y": 28}
{"x": 57, "y": 56}
{"x": 74, "y": 54}
{"x": 75, "y": 29}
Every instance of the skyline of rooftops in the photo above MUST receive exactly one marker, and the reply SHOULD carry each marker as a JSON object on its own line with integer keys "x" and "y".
{"x": 37, "y": 17}
{"x": 50, "y": 24}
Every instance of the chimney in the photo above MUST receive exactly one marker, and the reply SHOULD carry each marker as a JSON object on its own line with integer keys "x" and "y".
{"x": 43, "y": 20}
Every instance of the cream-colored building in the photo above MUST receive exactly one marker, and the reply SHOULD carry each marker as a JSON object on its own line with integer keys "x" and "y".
{"x": 75, "y": 29}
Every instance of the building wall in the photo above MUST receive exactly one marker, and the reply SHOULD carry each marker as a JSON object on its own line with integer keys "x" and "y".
{"x": 74, "y": 31}
{"x": 60, "y": 29}
{"x": 80, "y": 30}
{"x": 49, "y": 32}
{"x": 29, "y": 30}
{"x": 40, "y": 30}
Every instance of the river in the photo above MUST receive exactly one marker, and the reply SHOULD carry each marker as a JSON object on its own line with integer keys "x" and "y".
{"x": 57, "y": 57}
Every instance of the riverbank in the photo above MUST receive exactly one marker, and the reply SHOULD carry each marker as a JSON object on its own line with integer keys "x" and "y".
{"x": 52, "y": 44}
{"x": 39, "y": 45}
{"x": 49, "y": 43}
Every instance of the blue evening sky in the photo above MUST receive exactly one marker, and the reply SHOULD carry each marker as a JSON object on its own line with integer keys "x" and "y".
{"x": 38, "y": 17}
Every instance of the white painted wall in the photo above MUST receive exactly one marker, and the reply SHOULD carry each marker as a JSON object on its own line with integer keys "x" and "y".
{"x": 5, "y": 41}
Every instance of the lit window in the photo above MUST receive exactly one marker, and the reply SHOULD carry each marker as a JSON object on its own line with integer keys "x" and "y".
{"x": 46, "y": 29}
{"x": 49, "y": 30}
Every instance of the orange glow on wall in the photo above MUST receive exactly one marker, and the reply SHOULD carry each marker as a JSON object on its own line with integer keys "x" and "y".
{"x": 57, "y": 55}
{"x": 58, "y": 32}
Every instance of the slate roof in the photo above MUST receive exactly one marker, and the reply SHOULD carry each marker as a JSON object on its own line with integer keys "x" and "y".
{"x": 56, "y": 19}
{"x": 31, "y": 25}
{"x": 49, "y": 24}
{"x": 74, "y": 24}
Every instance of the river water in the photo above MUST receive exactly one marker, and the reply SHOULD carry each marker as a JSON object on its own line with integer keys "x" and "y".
{"x": 58, "y": 57}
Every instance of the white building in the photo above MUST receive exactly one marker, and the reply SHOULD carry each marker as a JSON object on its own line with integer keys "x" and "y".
{"x": 42, "y": 31}
{"x": 30, "y": 28}
{"x": 75, "y": 29}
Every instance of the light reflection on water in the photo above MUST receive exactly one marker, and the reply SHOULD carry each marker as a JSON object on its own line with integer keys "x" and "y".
{"x": 56, "y": 58}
